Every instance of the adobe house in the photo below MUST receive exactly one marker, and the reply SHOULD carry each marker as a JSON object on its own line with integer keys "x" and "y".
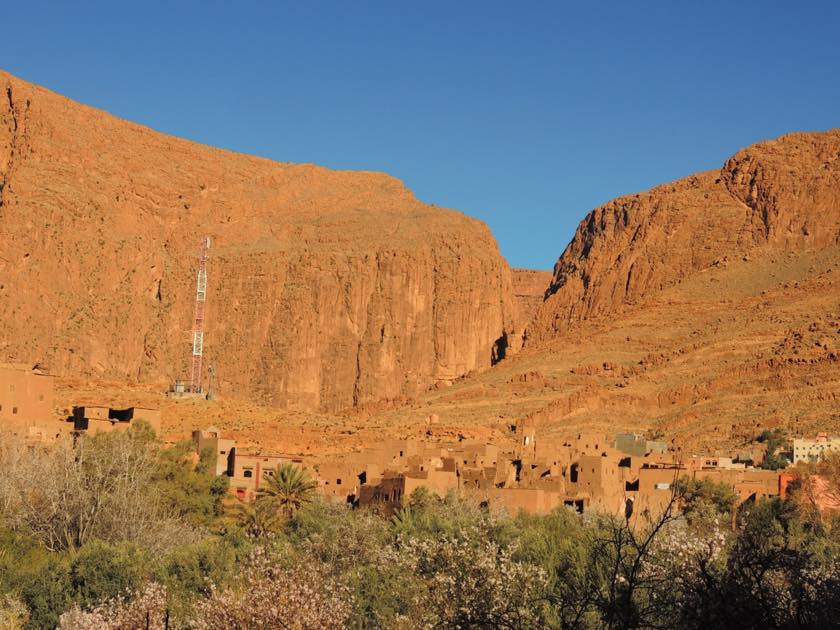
{"x": 752, "y": 455}
{"x": 473, "y": 454}
{"x": 552, "y": 451}
{"x": 748, "y": 484}
{"x": 394, "y": 488}
{"x": 590, "y": 443}
{"x": 637, "y": 444}
{"x": 249, "y": 473}
{"x": 223, "y": 449}
{"x": 529, "y": 500}
{"x": 525, "y": 433}
{"x": 339, "y": 481}
{"x": 93, "y": 419}
{"x": 26, "y": 397}
{"x": 388, "y": 492}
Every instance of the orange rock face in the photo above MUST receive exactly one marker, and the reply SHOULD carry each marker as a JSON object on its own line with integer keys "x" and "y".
{"x": 783, "y": 193}
{"x": 529, "y": 286}
{"x": 327, "y": 289}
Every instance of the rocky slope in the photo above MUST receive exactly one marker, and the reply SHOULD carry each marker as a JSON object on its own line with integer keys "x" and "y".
{"x": 782, "y": 194}
{"x": 326, "y": 289}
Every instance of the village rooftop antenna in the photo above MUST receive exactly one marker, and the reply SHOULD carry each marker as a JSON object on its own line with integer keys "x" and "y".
{"x": 198, "y": 326}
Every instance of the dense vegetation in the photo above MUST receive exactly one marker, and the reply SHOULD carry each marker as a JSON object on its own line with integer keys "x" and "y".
{"x": 119, "y": 532}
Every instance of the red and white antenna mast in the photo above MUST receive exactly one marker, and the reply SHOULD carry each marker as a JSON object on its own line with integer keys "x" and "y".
{"x": 198, "y": 327}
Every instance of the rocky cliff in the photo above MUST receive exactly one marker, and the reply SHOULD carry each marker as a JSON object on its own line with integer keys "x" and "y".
{"x": 783, "y": 193}
{"x": 326, "y": 289}
{"x": 529, "y": 287}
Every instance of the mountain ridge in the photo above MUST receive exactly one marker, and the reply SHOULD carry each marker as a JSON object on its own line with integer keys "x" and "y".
{"x": 640, "y": 243}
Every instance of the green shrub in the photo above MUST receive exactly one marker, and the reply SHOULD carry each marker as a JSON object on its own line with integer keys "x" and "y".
{"x": 99, "y": 571}
{"x": 46, "y": 591}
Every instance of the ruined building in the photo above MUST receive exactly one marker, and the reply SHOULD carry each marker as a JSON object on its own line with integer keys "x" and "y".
{"x": 96, "y": 419}
{"x": 26, "y": 401}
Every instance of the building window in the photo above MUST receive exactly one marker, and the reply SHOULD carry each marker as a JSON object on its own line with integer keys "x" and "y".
{"x": 41, "y": 398}
{"x": 338, "y": 482}
{"x": 14, "y": 410}
{"x": 248, "y": 473}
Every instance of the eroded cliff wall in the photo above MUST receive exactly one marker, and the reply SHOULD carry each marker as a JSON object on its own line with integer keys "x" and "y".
{"x": 326, "y": 288}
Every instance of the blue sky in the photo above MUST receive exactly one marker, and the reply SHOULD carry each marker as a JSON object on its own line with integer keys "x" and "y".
{"x": 523, "y": 114}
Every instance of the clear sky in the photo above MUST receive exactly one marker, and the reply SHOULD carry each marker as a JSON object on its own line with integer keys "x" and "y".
{"x": 524, "y": 114}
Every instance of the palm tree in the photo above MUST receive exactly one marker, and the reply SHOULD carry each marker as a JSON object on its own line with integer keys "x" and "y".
{"x": 258, "y": 519}
{"x": 286, "y": 489}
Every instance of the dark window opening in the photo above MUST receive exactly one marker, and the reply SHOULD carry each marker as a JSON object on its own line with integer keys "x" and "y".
{"x": 231, "y": 462}
{"x": 624, "y": 463}
{"x": 14, "y": 410}
{"x": 338, "y": 482}
{"x": 576, "y": 504}
{"x": 631, "y": 485}
{"x": 248, "y": 473}
{"x": 121, "y": 415}
{"x": 573, "y": 473}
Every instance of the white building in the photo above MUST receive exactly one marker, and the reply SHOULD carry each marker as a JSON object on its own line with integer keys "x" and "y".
{"x": 813, "y": 450}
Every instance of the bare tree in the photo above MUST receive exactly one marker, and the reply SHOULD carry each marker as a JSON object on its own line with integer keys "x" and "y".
{"x": 94, "y": 487}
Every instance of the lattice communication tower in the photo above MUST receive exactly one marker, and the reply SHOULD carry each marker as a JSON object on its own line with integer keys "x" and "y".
{"x": 198, "y": 326}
